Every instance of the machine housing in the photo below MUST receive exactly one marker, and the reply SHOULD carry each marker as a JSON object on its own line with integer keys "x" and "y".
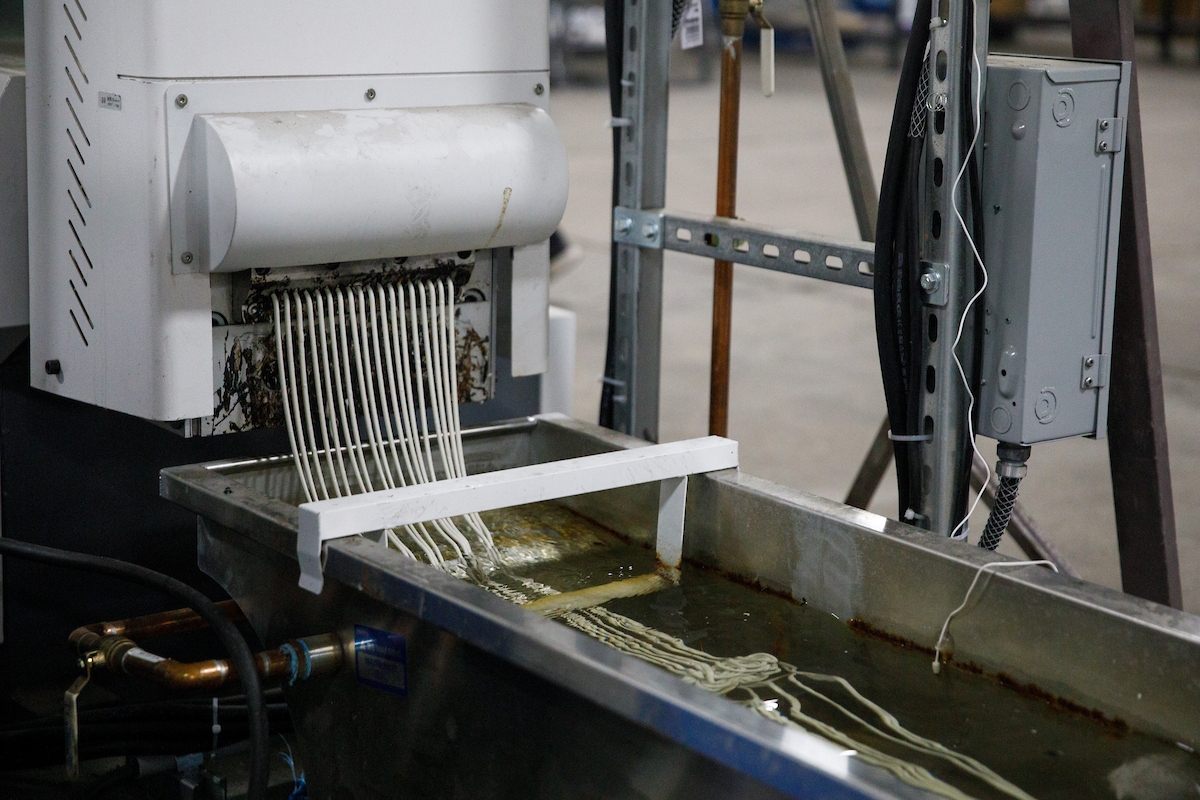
{"x": 124, "y": 173}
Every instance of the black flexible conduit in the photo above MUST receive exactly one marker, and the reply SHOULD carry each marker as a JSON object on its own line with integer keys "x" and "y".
{"x": 231, "y": 638}
{"x": 1002, "y": 508}
{"x": 614, "y": 29}
{"x": 1011, "y": 468}
{"x": 895, "y": 248}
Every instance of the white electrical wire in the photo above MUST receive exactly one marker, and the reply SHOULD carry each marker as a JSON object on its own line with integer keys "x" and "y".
{"x": 978, "y": 112}
{"x": 937, "y": 648}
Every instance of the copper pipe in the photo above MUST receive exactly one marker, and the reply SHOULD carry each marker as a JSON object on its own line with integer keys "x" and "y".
{"x": 151, "y": 626}
{"x": 733, "y": 25}
{"x": 109, "y": 644}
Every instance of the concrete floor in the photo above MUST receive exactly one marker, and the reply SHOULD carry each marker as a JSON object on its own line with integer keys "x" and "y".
{"x": 806, "y": 397}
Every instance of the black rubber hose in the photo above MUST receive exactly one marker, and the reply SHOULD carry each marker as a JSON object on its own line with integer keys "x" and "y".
{"x": 231, "y": 638}
{"x": 1002, "y": 509}
{"x": 614, "y": 29}
{"x": 890, "y": 302}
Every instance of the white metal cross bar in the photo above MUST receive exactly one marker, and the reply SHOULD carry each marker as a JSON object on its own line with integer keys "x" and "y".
{"x": 374, "y": 511}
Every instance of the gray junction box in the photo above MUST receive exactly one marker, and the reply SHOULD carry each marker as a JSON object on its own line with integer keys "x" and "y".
{"x": 1054, "y": 134}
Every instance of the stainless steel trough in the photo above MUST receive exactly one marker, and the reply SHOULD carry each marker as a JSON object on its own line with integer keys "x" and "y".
{"x": 479, "y": 697}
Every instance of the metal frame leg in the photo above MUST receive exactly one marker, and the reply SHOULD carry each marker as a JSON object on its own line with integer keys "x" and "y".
{"x": 642, "y": 185}
{"x": 1137, "y": 425}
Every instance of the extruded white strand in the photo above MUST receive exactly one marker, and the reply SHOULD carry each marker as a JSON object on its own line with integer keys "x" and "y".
{"x": 330, "y": 401}
{"x": 354, "y": 323}
{"x": 977, "y": 108}
{"x": 448, "y": 328}
{"x": 762, "y": 673}
{"x": 319, "y": 403}
{"x": 409, "y": 365}
{"x": 341, "y": 401}
{"x": 312, "y": 447}
{"x": 378, "y": 330}
{"x": 310, "y": 486}
{"x": 347, "y": 396}
{"x": 414, "y": 325}
{"x": 398, "y": 389}
{"x": 280, "y": 332}
{"x": 433, "y": 374}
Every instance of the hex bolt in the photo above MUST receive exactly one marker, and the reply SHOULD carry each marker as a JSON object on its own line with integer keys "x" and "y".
{"x": 931, "y": 282}
{"x": 1103, "y": 124}
{"x": 1104, "y": 147}
{"x": 1088, "y": 382}
{"x": 1089, "y": 362}
{"x": 539, "y": 90}
{"x": 53, "y": 367}
{"x": 370, "y": 95}
{"x": 186, "y": 258}
{"x": 624, "y": 225}
{"x": 650, "y": 230}
{"x": 181, "y": 101}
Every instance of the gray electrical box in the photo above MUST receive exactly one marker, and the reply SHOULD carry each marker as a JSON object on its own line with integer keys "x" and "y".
{"x": 1054, "y": 132}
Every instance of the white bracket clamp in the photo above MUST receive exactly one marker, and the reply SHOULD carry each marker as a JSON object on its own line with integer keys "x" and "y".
{"x": 668, "y": 464}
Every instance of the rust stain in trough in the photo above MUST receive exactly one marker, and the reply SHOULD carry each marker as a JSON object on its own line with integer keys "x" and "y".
{"x": 1031, "y": 690}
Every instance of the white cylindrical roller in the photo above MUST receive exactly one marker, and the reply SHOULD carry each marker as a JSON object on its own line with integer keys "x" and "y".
{"x": 297, "y": 188}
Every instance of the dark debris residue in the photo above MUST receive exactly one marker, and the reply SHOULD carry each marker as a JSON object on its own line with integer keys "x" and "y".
{"x": 249, "y": 387}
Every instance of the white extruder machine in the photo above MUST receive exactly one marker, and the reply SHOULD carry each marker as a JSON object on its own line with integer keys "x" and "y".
{"x": 332, "y": 219}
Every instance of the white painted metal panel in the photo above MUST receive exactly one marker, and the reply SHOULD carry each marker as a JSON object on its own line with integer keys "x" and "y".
{"x": 276, "y": 189}
{"x": 531, "y": 309}
{"x": 300, "y": 38}
{"x": 14, "y": 241}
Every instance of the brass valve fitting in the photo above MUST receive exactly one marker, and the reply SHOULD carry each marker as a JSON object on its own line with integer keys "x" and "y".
{"x": 733, "y": 17}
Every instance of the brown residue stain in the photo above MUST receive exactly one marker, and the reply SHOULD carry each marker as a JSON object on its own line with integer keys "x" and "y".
{"x": 1032, "y": 690}
{"x": 867, "y": 629}
{"x": 1116, "y": 724}
{"x": 499, "y": 222}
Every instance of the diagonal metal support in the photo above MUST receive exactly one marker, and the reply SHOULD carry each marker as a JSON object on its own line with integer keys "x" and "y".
{"x": 839, "y": 91}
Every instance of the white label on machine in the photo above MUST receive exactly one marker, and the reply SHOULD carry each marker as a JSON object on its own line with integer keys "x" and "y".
{"x": 692, "y": 25}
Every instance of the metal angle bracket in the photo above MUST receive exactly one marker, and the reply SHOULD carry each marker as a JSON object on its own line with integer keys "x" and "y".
{"x": 1110, "y": 135}
{"x": 933, "y": 283}
{"x": 1094, "y": 373}
{"x": 839, "y": 261}
{"x": 641, "y": 228}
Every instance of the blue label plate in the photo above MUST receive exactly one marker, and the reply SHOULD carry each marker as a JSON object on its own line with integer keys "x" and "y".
{"x": 381, "y": 660}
